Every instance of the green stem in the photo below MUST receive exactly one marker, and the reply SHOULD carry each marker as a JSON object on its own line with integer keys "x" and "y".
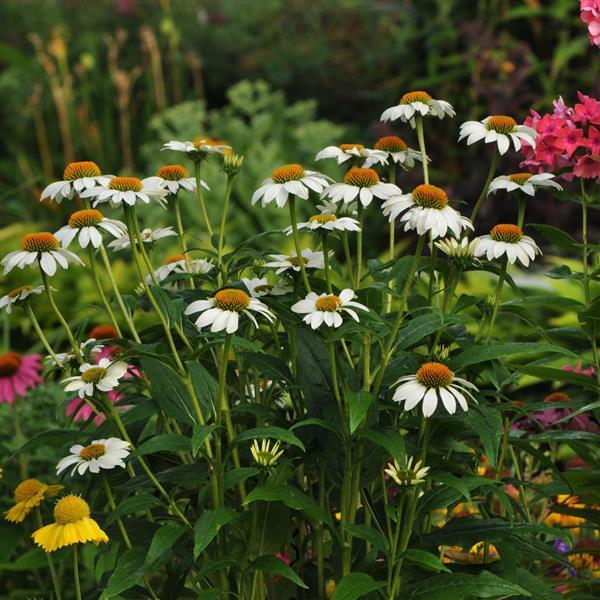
{"x": 392, "y": 241}
{"x": 221, "y": 265}
{"x": 113, "y": 507}
{"x": 299, "y": 257}
{"x": 387, "y": 352}
{"x": 326, "y": 260}
{"x": 76, "y": 571}
{"x": 421, "y": 138}
{"x": 62, "y": 320}
{"x": 200, "y": 194}
{"x": 19, "y": 439}
{"x": 348, "y": 255}
{"x": 126, "y": 314}
{"x": 486, "y": 185}
{"x": 521, "y": 211}
{"x": 36, "y": 325}
{"x": 179, "y": 224}
{"x": 359, "y": 245}
{"x": 101, "y": 293}
{"x": 53, "y": 573}
{"x": 499, "y": 287}
{"x": 431, "y": 290}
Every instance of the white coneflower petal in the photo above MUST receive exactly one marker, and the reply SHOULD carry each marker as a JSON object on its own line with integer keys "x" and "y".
{"x": 100, "y": 454}
{"x": 149, "y": 236}
{"x": 528, "y": 183}
{"x": 283, "y": 262}
{"x": 103, "y": 376}
{"x": 128, "y": 191}
{"x": 507, "y": 240}
{"x": 328, "y": 309}
{"x": 417, "y": 103}
{"x": 19, "y": 296}
{"x": 326, "y": 223}
{"x": 259, "y": 287}
{"x": 77, "y": 177}
{"x": 362, "y": 184}
{"x": 500, "y": 130}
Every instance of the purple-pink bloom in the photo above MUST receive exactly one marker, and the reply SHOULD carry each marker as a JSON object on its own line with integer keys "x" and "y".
{"x": 18, "y": 373}
{"x": 590, "y": 15}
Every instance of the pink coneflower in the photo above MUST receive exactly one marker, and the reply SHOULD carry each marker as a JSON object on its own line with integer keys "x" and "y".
{"x": 18, "y": 373}
{"x": 590, "y": 15}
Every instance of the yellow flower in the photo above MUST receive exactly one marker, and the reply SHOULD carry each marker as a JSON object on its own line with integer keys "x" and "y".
{"x": 72, "y": 525}
{"x": 555, "y": 519}
{"x": 28, "y": 495}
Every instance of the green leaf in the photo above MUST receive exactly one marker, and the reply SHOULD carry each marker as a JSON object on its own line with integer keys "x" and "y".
{"x": 163, "y": 541}
{"x": 169, "y": 391}
{"x": 209, "y": 594}
{"x": 477, "y": 354}
{"x": 425, "y": 559}
{"x": 132, "y": 505}
{"x": 557, "y": 236}
{"x": 291, "y": 497}
{"x": 369, "y": 534}
{"x": 129, "y": 570}
{"x": 313, "y": 370}
{"x": 56, "y": 437}
{"x": 549, "y": 374}
{"x": 458, "y": 586}
{"x": 539, "y": 589}
{"x": 205, "y": 386}
{"x": 391, "y": 441}
{"x": 271, "y": 564}
{"x": 268, "y": 366}
{"x": 359, "y": 403}
{"x": 272, "y": 432}
{"x": 201, "y": 432}
{"x": 317, "y": 422}
{"x": 165, "y": 442}
{"x": 486, "y": 421}
{"x": 28, "y": 561}
{"x": 208, "y": 525}
{"x": 168, "y": 307}
{"x": 356, "y": 585}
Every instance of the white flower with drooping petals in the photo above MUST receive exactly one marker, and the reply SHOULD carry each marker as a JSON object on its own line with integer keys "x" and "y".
{"x": 87, "y": 348}
{"x": 327, "y": 223}
{"x": 431, "y": 383}
{"x": 100, "y": 454}
{"x": 222, "y": 311}
{"x": 407, "y": 474}
{"x": 103, "y": 376}
{"x": 173, "y": 178}
{"x": 426, "y": 210}
{"x": 392, "y": 148}
{"x": 417, "y": 103}
{"x": 499, "y": 130}
{"x": 454, "y": 248}
{"x": 363, "y": 185}
{"x": 507, "y": 240}
{"x": 77, "y": 177}
{"x": 352, "y": 152}
{"x": 528, "y": 183}
{"x": 319, "y": 309}
{"x": 200, "y": 148}
{"x": 289, "y": 179}
{"x": 327, "y": 207}
{"x": 86, "y": 226}
{"x": 181, "y": 263}
{"x": 126, "y": 191}
{"x": 19, "y": 296}
{"x": 40, "y": 249}
{"x": 283, "y": 262}
{"x": 259, "y": 287}
{"x": 149, "y": 236}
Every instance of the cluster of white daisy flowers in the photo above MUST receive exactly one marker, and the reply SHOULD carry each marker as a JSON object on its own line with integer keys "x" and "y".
{"x": 103, "y": 454}
{"x": 426, "y": 210}
{"x": 289, "y": 179}
{"x": 223, "y": 310}
{"x": 430, "y": 384}
{"x": 506, "y": 239}
{"x": 328, "y": 309}
{"x": 417, "y": 103}
{"x": 500, "y": 130}
{"x": 40, "y": 250}
{"x": 103, "y": 376}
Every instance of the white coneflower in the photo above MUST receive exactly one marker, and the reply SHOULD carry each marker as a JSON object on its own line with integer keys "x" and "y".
{"x": 86, "y": 226}
{"x": 125, "y": 190}
{"x": 499, "y": 130}
{"x": 507, "y": 240}
{"x": 453, "y": 248}
{"x": 19, "y": 297}
{"x": 77, "y": 177}
{"x": 200, "y": 148}
{"x": 417, "y": 103}
{"x": 528, "y": 183}
{"x": 103, "y": 376}
{"x": 173, "y": 178}
{"x": 327, "y": 223}
{"x": 149, "y": 236}
{"x": 283, "y": 262}
{"x": 100, "y": 454}
{"x": 264, "y": 455}
{"x": 328, "y": 308}
{"x": 431, "y": 383}
{"x": 286, "y": 180}
{"x": 87, "y": 348}
{"x": 426, "y": 210}
{"x": 41, "y": 249}
{"x": 259, "y": 287}
{"x": 182, "y": 263}
{"x": 363, "y": 185}
{"x": 407, "y": 474}
{"x": 352, "y": 152}
{"x": 222, "y": 311}
{"x": 392, "y": 148}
